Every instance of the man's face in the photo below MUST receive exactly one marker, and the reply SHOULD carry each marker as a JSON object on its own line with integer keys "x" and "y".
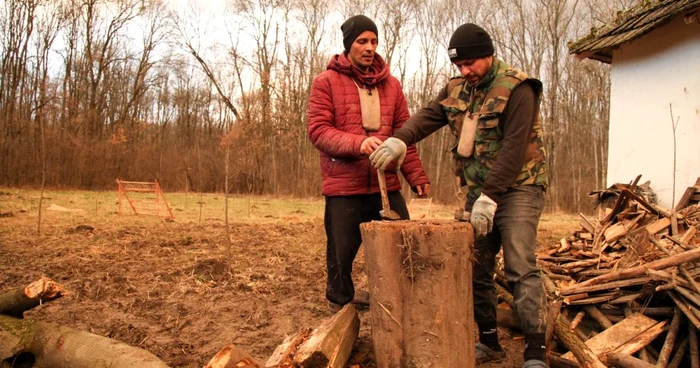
{"x": 361, "y": 52}
{"x": 474, "y": 70}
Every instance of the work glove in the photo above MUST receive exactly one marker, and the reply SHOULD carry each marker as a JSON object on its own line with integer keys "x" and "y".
{"x": 482, "y": 215}
{"x": 392, "y": 149}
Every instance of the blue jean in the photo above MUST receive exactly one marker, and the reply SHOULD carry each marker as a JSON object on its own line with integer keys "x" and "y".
{"x": 514, "y": 230}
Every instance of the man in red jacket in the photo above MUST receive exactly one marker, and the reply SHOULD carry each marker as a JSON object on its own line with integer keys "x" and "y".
{"x": 355, "y": 104}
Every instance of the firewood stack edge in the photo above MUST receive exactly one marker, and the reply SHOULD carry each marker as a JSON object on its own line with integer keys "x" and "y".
{"x": 624, "y": 289}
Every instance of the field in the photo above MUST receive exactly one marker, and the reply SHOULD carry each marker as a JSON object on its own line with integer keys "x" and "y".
{"x": 177, "y": 288}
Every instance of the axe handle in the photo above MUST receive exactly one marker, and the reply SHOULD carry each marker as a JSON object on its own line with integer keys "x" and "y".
{"x": 382, "y": 189}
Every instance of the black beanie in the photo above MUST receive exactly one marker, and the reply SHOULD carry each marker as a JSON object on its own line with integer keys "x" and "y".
{"x": 354, "y": 26}
{"x": 469, "y": 41}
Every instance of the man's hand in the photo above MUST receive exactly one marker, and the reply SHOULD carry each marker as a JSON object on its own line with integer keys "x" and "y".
{"x": 482, "y": 215}
{"x": 369, "y": 145}
{"x": 392, "y": 149}
{"x": 423, "y": 190}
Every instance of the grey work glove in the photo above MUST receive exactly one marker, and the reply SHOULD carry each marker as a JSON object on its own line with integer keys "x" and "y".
{"x": 482, "y": 215}
{"x": 392, "y": 149}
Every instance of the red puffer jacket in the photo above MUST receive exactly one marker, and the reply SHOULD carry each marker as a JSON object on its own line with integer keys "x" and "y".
{"x": 335, "y": 128}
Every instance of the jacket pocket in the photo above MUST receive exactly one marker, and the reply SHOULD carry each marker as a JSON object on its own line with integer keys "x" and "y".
{"x": 455, "y": 110}
{"x": 488, "y": 139}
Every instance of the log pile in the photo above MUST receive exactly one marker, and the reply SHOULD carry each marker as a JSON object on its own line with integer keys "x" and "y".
{"x": 624, "y": 288}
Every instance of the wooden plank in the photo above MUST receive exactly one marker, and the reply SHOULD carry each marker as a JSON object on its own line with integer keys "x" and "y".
{"x": 689, "y": 234}
{"x": 617, "y": 335}
{"x": 615, "y": 232}
{"x": 641, "y": 340}
{"x": 658, "y": 225}
{"x": 587, "y": 224}
{"x": 683, "y": 202}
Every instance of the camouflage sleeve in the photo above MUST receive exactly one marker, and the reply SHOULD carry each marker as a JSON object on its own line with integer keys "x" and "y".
{"x": 516, "y": 123}
{"x": 426, "y": 121}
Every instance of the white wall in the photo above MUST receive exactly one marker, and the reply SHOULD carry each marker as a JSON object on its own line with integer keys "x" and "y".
{"x": 648, "y": 74}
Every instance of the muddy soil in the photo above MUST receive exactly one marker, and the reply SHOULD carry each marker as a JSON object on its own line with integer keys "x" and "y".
{"x": 178, "y": 289}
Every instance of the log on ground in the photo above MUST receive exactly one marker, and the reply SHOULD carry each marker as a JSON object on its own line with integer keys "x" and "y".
{"x": 15, "y": 302}
{"x": 54, "y": 345}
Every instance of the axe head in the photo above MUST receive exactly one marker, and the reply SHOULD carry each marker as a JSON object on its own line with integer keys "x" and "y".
{"x": 462, "y": 215}
{"x": 389, "y": 215}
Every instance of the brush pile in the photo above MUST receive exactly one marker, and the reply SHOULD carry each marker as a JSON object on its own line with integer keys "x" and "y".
{"x": 624, "y": 288}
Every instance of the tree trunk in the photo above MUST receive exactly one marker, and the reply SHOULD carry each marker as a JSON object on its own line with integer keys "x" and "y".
{"x": 54, "y": 345}
{"x": 420, "y": 280}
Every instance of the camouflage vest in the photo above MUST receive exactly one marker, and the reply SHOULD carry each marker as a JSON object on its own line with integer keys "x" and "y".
{"x": 489, "y": 101}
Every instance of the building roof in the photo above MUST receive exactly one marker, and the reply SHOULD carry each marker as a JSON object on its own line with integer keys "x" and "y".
{"x": 629, "y": 25}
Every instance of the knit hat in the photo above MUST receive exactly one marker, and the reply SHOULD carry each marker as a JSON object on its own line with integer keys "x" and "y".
{"x": 469, "y": 41}
{"x": 354, "y": 26}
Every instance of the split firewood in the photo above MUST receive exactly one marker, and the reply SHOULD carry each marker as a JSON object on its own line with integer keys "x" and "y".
{"x": 587, "y": 224}
{"x": 15, "y": 302}
{"x": 330, "y": 345}
{"x": 688, "y": 235}
{"x": 232, "y": 357}
{"x": 54, "y": 345}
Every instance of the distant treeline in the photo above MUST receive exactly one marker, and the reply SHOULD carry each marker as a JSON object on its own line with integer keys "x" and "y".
{"x": 94, "y": 90}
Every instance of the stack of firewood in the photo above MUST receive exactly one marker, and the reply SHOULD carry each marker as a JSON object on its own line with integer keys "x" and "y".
{"x": 624, "y": 288}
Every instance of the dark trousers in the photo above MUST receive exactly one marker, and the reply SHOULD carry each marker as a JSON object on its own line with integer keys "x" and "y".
{"x": 515, "y": 229}
{"x": 342, "y": 221}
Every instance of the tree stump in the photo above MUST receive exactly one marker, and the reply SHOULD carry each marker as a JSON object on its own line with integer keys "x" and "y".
{"x": 420, "y": 281}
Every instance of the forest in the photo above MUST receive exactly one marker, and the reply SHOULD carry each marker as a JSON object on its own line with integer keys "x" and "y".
{"x": 212, "y": 96}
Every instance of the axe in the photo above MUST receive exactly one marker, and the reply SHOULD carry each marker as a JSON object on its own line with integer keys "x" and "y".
{"x": 386, "y": 213}
{"x": 460, "y": 213}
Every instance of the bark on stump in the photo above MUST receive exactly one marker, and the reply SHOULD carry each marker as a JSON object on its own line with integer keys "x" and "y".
{"x": 420, "y": 281}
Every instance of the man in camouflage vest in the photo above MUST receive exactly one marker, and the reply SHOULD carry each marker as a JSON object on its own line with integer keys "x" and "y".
{"x": 492, "y": 110}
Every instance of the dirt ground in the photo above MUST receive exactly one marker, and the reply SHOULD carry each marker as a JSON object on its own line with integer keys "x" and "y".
{"x": 176, "y": 289}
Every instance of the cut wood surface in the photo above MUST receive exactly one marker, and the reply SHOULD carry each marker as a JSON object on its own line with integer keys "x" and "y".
{"x": 284, "y": 353}
{"x": 232, "y": 357}
{"x": 330, "y": 345}
{"x": 15, "y": 302}
{"x": 54, "y": 345}
{"x": 617, "y": 335}
{"x": 419, "y": 275}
